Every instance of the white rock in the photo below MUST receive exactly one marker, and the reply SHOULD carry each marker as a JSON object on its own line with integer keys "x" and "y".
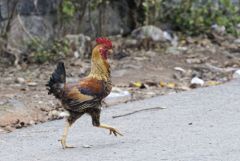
{"x": 87, "y": 146}
{"x": 32, "y": 122}
{"x": 236, "y": 74}
{"x": 218, "y": 29}
{"x": 197, "y": 81}
{"x": 32, "y": 84}
{"x": 117, "y": 96}
{"x": 172, "y": 38}
{"x": 154, "y": 33}
{"x": 64, "y": 114}
{"x": 180, "y": 69}
{"x": 55, "y": 112}
{"x": 40, "y": 102}
{"x": 20, "y": 80}
{"x": 76, "y": 54}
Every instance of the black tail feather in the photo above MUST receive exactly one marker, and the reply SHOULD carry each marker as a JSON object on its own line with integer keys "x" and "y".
{"x": 57, "y": 81}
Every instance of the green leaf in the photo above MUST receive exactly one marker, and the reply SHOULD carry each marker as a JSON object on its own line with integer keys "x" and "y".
{"x": 222, "y": 21}
{"x": 68, "y": 8}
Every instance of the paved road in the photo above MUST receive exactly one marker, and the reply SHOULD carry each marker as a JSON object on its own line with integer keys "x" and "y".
{"x": 198, "y": 125}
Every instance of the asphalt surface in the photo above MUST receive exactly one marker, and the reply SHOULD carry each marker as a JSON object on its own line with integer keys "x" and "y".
{"x": 198, "y": 125}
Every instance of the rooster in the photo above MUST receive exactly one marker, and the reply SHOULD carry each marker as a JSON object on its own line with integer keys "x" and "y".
{"x": 86, "y": 95}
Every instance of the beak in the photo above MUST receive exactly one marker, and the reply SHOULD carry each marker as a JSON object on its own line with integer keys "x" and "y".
{"x": 110, "y": 51}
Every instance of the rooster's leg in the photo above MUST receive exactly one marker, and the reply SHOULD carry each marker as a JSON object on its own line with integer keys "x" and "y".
{"x": 64, "y": 137}
{"x": 96, "y": 122}
{"x": 112, "y": 129}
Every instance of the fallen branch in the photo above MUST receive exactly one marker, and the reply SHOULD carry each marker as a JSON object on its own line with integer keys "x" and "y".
{"x": 145, "y": 109}
{"x": 217, "y": 69}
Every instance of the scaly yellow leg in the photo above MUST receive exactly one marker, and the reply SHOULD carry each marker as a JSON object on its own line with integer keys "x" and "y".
{"x": 112, "y": 130}
{"x": 64, "y": 137}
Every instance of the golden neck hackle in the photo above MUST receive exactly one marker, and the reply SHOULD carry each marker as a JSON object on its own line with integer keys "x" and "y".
{"x": 100, "y": 68}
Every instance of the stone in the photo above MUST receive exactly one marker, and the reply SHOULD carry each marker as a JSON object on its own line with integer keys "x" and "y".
{"x": 148, "y": 32}
{"x": 236, "y": 74}
{"x": 32, "y": 84}
{"x": 117, "y": 96}
{"x": 113, "y": 18}
{"x": 20, "y": 80}
{"x": 155, "y": 34}
{"x": 195, "y": 82}
{"x": 25, "y": 29}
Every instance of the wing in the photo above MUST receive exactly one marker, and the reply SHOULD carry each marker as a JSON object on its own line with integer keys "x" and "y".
{"x": 84, "y": 94}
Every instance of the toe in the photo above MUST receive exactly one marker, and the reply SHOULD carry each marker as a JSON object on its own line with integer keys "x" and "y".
{"x": 69, "y": 146}
{"x": 119, "y": 133}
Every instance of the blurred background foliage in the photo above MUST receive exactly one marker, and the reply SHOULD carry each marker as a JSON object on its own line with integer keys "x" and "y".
{"x": 191, "y": 17}
{"x": 104, "y": 18}
{"x": 43, "y": 52}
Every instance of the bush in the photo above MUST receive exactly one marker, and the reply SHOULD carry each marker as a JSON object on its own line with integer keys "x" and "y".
{"x": 194, "y": 18}
{"x": 44, "y": 52}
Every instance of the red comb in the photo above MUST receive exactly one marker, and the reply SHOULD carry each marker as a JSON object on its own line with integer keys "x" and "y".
{"x": 104, "y": 41}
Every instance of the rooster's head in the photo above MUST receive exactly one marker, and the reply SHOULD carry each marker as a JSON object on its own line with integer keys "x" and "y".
{"x": 104, "y": 47}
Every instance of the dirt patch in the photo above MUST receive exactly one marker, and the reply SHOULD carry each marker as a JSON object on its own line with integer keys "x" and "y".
{"x": 142, "y": 73}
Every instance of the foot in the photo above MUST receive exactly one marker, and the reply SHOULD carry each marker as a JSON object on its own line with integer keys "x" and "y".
{"x": 111, "y": 129}
{"x": 115, "y": 132}
{"x": 64, "y": 144}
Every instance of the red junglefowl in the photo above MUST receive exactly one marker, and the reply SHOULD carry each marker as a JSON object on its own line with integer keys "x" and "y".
{"x": 86, "y": 95}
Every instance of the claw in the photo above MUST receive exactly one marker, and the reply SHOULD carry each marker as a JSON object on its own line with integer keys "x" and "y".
{"x": 115, "y": 132}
